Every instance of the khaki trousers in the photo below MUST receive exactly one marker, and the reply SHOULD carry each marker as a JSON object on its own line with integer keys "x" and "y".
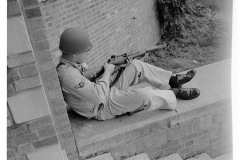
{"x": 126, "y": 96}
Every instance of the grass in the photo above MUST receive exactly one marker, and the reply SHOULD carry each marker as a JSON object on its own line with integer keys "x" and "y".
{"x": 205, "y": 39}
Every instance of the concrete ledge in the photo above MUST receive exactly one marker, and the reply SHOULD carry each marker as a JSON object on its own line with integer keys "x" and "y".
{"x": 214, "y": 82}
{"x": 93, "y": 136}
{"x": 160, "y": 133}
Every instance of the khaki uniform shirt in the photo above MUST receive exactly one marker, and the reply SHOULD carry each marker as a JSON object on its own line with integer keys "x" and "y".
{"x": 82, "y": 95}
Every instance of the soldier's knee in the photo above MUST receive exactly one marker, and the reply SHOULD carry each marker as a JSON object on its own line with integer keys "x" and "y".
{"x": 136, "y": 61}
{"x": 172, "y": 106}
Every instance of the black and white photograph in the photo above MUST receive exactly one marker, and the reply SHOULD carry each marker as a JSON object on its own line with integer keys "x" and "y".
{"x": 119, "y": 80}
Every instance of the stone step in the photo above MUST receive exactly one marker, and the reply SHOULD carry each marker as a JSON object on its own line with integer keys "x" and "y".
{"x": 202, "y": 156}
{"x": 106, "y": 156}
{"x": 142, "y": 156}
{"x": 174, "y": 156}
{"x": 227, "y": 156}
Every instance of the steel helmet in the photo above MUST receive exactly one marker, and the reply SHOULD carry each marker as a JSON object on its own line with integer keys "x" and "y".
{"x": 74, "y": 41}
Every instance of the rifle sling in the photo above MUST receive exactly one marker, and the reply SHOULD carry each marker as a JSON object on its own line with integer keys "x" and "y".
{"x": 117, "y": 77}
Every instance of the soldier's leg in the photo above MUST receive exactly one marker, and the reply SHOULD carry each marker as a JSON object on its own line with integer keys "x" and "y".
{"x": 139, "y": 71}
{"x": 153, "y": 75}
{"x": 163, "y": 79}
{"x": 121, "y": 102}
{"x": 128, "y": 78}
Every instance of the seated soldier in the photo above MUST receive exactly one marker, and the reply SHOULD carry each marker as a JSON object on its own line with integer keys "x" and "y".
{"x": 98, "y": 100}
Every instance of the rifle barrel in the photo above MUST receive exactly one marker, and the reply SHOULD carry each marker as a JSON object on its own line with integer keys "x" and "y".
{"x": 95, "y": 72}
{"x": 155, "y": 48}
{"x": 147, "y": 50}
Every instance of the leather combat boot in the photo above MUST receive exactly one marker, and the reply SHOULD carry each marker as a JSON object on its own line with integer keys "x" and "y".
{"x": 180, "y": 79}
{"x": 188, "y": 93}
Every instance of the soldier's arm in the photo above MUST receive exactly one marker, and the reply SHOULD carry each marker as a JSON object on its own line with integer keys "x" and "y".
{"x": 81, "y": 87}
{"x": 108, "y": 69}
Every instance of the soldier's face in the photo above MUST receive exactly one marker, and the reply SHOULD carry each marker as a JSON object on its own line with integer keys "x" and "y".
{"x": 82, "y": 57}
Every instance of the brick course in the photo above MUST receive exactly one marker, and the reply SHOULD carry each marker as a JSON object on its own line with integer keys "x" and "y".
{"x": 52, "y": 85}
{"x": 21, "y": 157}
{"x": 13, "y": 8}
{"x": 42, "y": 57}
{"x": 66, "y": 135}
{"x": 40, "y": 123}
{"x": 11, "y": 90}
{"x": 21, "y": 129}
{"x": 26, "y": 148}
{"x": 46, "y": 66}
{"x": 101, "y": 20}
{"x": 11, "y": 153}
{"x": 33, "y": 12}
{"x": 47, "y": 132}
{"x": 30, "y": 3}
{"x": 21, "y": 142}
{"x": 150, "y": 140}
{"x": 158, "y": 141}
{"x": 64, "y": 128}
{"x": 55, "y": 94}
{"x": 25, "y": 138}
{"x": 61, "y": 120}
{"x": 27, "y": 83}
{"x": 67, "y": 142}
{"x": 58, "y": 103}
{"x": 38, "y": 35}
{"x": 29, "y": 70}
{"x": 41, "y": 46}
{"x": 20, "y": 59}
{"x": 59, "y": 112}
{"x": 34, "y": 24}
{"x": 45, "y": 142}
{"x": 12, "y": 75}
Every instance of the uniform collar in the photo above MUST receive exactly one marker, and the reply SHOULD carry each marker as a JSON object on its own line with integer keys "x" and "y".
{"x": 82, "y": 67}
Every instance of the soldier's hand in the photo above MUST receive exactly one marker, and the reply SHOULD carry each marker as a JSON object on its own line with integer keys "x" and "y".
{"x": 109, "y": 67}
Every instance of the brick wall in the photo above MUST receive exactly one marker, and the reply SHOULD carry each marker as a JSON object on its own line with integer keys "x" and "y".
{"x": 114, "y": 26}
{"x": 37, "y": 119}
{"x": 188, "y": 134}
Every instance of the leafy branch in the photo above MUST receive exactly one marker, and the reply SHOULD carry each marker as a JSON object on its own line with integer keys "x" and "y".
{"x": 188, "y": 20}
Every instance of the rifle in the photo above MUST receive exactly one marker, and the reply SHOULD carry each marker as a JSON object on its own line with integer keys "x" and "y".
{"x": 120, "y": 61}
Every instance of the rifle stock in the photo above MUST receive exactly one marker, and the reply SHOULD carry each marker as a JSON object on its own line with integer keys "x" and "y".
{"x": 95, "y": 72}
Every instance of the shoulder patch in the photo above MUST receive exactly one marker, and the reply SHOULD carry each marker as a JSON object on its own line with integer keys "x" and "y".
{"x": 80, "y": 84}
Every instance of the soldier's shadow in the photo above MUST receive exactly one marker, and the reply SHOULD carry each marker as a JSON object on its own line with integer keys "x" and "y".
{"x": 73, "y": 115}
